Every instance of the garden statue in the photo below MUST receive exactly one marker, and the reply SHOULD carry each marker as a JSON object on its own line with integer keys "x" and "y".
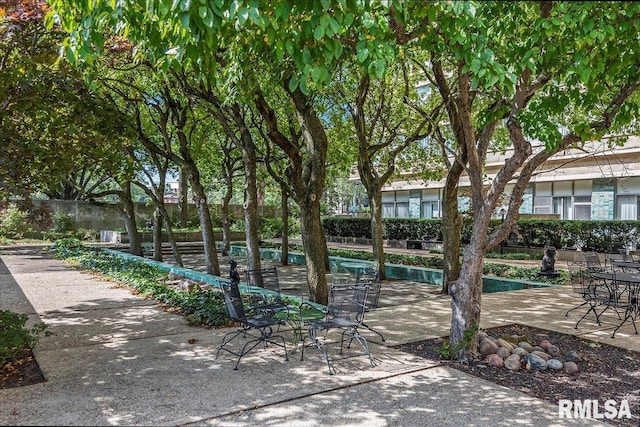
{"x": 548, "y": 260}
{"x": 233, "y": 272}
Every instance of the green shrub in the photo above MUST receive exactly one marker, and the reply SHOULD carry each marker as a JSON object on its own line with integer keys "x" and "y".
{"x": 14, "y": 223}
{"x": 597, "y": 235}
{"x": 63, "y": 222}
{"x": 238, "y": 225}
{"x": 348, "y": 227}
{"x": 271, "y": 228}
{"x": 15, "y": 336}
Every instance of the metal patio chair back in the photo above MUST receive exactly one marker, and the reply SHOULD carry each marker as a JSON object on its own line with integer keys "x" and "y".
{"x": 345, "y": 312}
{"x": 258, "y": 327}
{"x": 591, "y": 289}
{"x": 581, "y": 283}
{"x": 372, "y": 277}
{"x": 593, "y": 261}
{"x": 266, "y": 278}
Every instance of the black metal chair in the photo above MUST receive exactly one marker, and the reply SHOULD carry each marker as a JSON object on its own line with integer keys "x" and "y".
{"x": 578, "y": 285}
{"x": 372, "y": 277}
{"x": 260, "y": 323}
{"x": 269, "y": 302}
{"x": 345, "y": 312}
{"x": 622, "y": 297}
{"x": 593, "y": 290}
{"x": 593, "y": 262}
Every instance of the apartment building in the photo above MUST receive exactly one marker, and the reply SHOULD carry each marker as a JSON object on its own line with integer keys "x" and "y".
{"x": 597, "y": 182}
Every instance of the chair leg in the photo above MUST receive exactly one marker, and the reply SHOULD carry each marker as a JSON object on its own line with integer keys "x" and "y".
{"x": 591, "y": 308}
{"x": 320, "y": 346}
{"x": 628, "y": 315}
{"x": 244, "y": 351}
{"x": 226, "y": 341}
{"x": 354, "y": 334}
{"x": 575, "y": 308}
{"x": 376, "y": 332}
{"x": 263, "y": 339}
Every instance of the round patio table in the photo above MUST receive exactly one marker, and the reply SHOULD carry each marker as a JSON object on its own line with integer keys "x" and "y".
{"x": 296, "y": 319}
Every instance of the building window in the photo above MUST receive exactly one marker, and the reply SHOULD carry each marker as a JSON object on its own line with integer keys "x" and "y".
{"x": 402, "y": 210}
{"x": 542, "y": 205}
{"x": 562, "y": 207}
{"x": 627, "y": 207}
{"x": 388, "y": 210}
{"x": 430, "y": 210}
{"x": 582, "y": 207}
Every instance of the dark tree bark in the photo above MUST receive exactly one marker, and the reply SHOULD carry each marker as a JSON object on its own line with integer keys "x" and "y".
{"x": 284, "y": 203}
{"x": 183, "y": 199}
{"x": 135, "y": 241}
{"x": 305, "y": 175}
{"x": 157, "y": 235}
{"x": 381, "y": 134}
{"x": 232, "y": 167}
{"x": 248, "y": 148}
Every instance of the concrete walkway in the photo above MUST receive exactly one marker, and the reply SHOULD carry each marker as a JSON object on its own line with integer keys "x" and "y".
{"x": 119, "y": 359}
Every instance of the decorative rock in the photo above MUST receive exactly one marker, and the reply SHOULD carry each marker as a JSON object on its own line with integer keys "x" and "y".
{"x": 188, "y": 285}
{"x": 510, "y": 339}
{"x": 538, "y": 348}
{"x": 553, "y": 350}
{"x": 512, "y": 362}
{"x": 487, "y": 347}
{"x": 502, "y": 343}
{"x": 535, "y": 363}
{"x": 495, "y": 360}
{"x": 503, "y": 352}
{"x": 572, "y": 356}
{"x": 542, "y": 355}
{"x": 520, "y": 351}
{"x": 481, "y": 335}
{"x": 555, "y": 364}
{"x": 526, "y": 346}
{"x": 545, "y": 344}
{"x": 571, "y": 367}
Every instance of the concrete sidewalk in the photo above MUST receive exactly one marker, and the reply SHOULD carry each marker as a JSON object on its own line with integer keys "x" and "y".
{"x": 119, "y": 359}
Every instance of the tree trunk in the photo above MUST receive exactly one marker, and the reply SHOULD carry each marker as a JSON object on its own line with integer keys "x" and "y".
{"x": 375, "y": 201}
{"x": 170, "y": 237}
{"x": 466, "y": 294}
{"x": 284, "y": 199}
{"x": 251, "y": 205}
{"x": 306, "y": 174}
{"x": 183, "y": 199}
{"x": 313, "y": 241}
{"x": 210, "y": 254}
{"x": 451, "y": 229}
{"x": 135, "y": 241}
{"x": 157, "y": 235}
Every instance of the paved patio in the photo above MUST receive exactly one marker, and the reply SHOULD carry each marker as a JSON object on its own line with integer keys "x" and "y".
{"x": 120, "y": 359}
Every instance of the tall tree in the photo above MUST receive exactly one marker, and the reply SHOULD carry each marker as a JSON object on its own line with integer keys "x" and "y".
{"x": 51, "y": 122}
{"x": 384, "y": 126}
{"x": 532, "y": 68}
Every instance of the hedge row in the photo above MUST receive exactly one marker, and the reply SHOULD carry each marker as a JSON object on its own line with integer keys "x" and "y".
{"x": 598, "y": 236}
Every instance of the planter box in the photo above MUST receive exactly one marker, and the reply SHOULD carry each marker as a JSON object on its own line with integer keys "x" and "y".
{"x": 111, "y": 236}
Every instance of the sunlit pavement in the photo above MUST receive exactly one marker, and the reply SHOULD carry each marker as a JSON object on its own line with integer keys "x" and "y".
{"x": 119, "y": 359}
